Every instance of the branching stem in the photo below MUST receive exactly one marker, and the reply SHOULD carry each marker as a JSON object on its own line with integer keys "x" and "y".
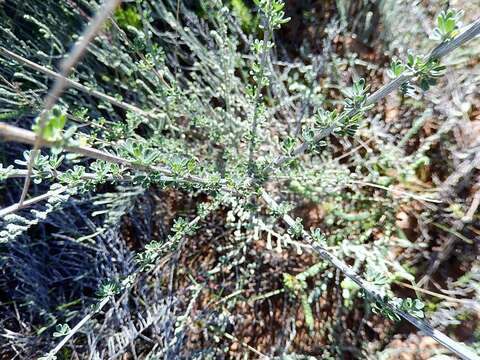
{"x": 373, "y": 292}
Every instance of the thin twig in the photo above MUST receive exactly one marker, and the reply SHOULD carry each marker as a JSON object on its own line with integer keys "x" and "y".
{"x": 27, "y": 203}
{"x": 245, "y": 345}
{"x": 21, "y": 173}
{"x": 258, "y": 96}
{"x": 15, "y": 207}
{"x": 16, "y": 134}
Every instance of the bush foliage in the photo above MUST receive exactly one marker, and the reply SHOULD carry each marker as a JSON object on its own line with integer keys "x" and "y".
{"x": 201, "y": 190}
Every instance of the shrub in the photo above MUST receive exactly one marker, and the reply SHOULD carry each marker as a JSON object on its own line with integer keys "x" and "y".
{"x": 164, "y": 96}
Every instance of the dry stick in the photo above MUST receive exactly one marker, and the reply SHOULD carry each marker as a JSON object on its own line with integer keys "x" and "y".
{"x": 24, "y": 173}
{"x": 73, "y": 84}
{"x": 245, "y": 345}
{"x": 441, "y": 50}
{"x": 29, "y": 202}
{"x": 371, "y": 290}
{"x": 61, "y": 83}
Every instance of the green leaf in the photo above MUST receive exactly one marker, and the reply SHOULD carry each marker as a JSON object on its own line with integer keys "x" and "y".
{"x": 55, "y": 121}
{"x": 61, "y": 330}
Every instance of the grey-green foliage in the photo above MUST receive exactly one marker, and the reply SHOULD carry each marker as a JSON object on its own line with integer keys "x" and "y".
{"x": 14, "y": 225}
{"x": 448, "y": 25}
{"x": 205, "y": 90}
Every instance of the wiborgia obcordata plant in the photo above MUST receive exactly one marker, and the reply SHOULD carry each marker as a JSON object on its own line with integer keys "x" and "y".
{"x": 155, "y": 95}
